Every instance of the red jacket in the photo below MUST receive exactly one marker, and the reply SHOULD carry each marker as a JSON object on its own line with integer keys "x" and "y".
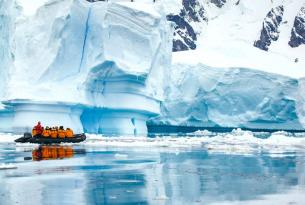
{"x": 38, "y": 128}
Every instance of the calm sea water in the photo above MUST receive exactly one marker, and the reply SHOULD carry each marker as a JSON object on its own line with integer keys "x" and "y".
{"x": 104, "y": 175}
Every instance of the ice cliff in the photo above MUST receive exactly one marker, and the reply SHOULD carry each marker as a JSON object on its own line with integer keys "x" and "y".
{"x": 204, "y": 96}
{"x": 73, "y": 59}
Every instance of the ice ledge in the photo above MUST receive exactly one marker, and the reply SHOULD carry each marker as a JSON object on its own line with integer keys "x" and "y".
{"x": 20, "y": 115}
{"x": 26, "y": 113}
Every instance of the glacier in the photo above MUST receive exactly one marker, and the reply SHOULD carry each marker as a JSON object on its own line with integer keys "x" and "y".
{"x": 203, "y": 96}
{"x": 108, "y": 68}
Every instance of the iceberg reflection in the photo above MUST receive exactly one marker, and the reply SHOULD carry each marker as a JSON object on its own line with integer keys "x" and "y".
{"x": 151, "y": 176}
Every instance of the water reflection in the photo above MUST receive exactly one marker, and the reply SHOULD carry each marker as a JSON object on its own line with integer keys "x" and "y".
{"x": 120, "y": 176}
{"x": 52, "y": 152}
{"x": 200, "y": 177}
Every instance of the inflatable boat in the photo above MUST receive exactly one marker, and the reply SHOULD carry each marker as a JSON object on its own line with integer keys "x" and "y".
{"x": 38, "y": 139}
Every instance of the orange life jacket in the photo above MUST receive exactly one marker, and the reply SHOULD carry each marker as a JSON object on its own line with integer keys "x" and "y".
{"x": 69, "y": 133}
{"x": 53, "y": 133}
{"x": 46, "y": 133}
{"x": 34, "y": 132}
{"x": 61, "y": 133}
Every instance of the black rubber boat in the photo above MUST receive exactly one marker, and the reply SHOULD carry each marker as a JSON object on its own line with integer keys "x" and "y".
{"x": 38, "y": 139}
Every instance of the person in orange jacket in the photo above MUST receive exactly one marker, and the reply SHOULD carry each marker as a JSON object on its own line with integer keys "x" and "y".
{"x": 34, "y": 133}
{"x": 53, "y": 133}
{"x": 46, "y": 132}
{"x": 69, "y": 133}
{"x": 38, "y": 128}
{"x": 61, "y": 132}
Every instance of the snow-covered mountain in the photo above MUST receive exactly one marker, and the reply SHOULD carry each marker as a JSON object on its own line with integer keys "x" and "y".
{"x": 194, "y": 17}
{"x": 212, "y": 85}
{"x": 237, "y": 33}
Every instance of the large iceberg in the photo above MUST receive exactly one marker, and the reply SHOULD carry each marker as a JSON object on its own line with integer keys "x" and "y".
{"x": 93, "y": 67}
{"x": 203, "y": 96}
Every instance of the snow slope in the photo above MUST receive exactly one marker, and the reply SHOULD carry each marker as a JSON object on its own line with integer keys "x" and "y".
{"x": 227, "y": 37}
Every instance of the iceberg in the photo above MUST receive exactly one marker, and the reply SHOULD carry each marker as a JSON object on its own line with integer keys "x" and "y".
{"x": 94, "y": 67}
{"x": 204, "y": 96}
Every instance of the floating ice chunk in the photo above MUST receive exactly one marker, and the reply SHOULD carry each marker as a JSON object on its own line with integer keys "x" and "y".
{"x": 121, "y": 156}
{"x": 4, "y": 166}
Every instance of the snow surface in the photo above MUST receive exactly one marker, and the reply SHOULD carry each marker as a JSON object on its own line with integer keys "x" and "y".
{"x": 227, "y": 40}
{"x": 4, "y": 166}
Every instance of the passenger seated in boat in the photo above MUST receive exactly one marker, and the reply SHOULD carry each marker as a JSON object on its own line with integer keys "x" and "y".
{"x": 34, "y": 133}
{"x": 53, "y": 133}
{"x": 69, "y": 133}
{"x": 46, "y": 132}
{"x": 38, "y": 128}
{"x": 61, "y": 132}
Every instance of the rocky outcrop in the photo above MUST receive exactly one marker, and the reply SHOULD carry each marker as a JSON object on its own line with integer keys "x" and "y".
{"x": 218, "y": 3}
{"x": 185, "y": 36}
{"x": 270, "y": 31}
{"x": 298, "y": 31}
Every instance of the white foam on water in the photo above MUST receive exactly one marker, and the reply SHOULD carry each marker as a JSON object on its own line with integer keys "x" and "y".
{"x": 8, "y": 137}
{"x": 4, "y": 166}
{"x": 235, "y": 142}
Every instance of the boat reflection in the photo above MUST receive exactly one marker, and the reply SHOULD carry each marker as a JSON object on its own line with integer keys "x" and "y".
{"x": 52, "y": 152}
